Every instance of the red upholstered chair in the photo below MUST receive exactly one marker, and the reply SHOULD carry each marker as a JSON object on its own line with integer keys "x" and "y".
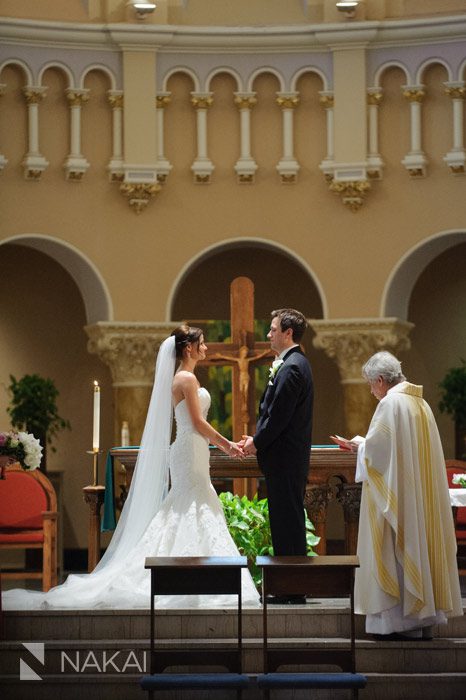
{"x": 28, "y": 520}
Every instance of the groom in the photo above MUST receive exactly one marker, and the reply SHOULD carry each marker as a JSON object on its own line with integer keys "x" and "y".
{"x": 283, "y": 435}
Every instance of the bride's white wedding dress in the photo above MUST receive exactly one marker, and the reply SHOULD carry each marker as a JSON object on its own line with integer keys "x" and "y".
{"x": 190, "y": 522}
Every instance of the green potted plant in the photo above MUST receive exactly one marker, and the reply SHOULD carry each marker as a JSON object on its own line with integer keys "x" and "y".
{"x": 33, "y": 408}
{"x": 249, "y": 526}
{"x": 453, "y": 401}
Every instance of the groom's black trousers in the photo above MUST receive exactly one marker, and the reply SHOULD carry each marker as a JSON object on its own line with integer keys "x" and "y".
{"x": 285, "y": 492}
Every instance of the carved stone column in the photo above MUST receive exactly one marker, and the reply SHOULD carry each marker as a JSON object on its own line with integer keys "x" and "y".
{"x": 76, "y": 165}
{"x": 130, "y": 350}
{"x": 374, "y": 161}
{"x": 349, "y": 495}
{"x": 315, "y": 502}
{"x": 288, "y": 167}
{"x": 245, "y": 166}
{"x": 115, "y": 167}
{"x": 327, "y": 101}
{"x": 163, "y": 165}
{"x": 456, "y": 158}
{"x": 350, "y": 342}
{"x": 415, "y": 161}
{"x": 34, "y": 163}
{"x": 202, "y": 167}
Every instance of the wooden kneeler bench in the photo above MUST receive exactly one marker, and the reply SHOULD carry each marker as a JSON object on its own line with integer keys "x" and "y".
{"x": 323, "y": 577}
{"x": 195, "y": 576}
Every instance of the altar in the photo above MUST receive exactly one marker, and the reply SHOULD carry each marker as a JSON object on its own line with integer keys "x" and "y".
{"x": 331, "y": 477}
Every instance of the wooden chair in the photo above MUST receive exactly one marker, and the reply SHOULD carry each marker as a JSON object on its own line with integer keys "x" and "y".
{"x": 456, "y": 466}
{"x": 28, "y": 520}
{"x": 195, "y": 576}
{"x": 323, "y": 576}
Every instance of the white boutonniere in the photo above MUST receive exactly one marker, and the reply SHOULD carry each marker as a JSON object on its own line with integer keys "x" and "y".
{"x": 276, "y": 364}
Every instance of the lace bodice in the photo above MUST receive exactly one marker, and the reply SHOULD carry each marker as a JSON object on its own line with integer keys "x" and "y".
{"x": 182, "y": 416}
{"x": 189, "y": 454}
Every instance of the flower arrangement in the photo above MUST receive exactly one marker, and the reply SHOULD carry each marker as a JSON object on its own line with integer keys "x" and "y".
{"x": 276, "y": 364}
{"x": 459, "y": 479}
{"x": 21, "y": 447}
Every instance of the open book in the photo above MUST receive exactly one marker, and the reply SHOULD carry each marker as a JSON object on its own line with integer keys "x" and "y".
{"x": 346, "y": 444}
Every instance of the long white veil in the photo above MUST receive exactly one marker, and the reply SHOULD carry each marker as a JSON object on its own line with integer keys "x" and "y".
{"x": 149, "y": 484}
{"x": 148, "y": 489}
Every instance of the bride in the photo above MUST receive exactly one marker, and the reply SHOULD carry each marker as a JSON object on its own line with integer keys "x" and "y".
{"x": 186, "y": 520}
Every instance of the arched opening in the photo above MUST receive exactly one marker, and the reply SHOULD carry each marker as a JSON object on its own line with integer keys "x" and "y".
{"x": 428, "y": 288}
{"x": 49, "y": 293}
{"x": 280, "y": 279}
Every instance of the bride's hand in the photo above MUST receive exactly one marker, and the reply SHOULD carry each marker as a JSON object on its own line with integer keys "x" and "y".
{"x": 234, "y": 450}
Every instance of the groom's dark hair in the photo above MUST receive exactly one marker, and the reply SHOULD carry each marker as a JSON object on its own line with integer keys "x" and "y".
{"x": 290, "y": 318}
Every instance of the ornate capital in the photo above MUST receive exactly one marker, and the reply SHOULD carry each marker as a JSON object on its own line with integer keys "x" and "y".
{"x": 316, "y": 500}
{"x": 129, "y": 349}
{"x": 34, "y": 95}
{"x": 139, "y": 194}
{"x": 245, "y": 100}
{"x": 327, "y": 100}
{"x": 201, "y": 100}
{"x": 287, "y": 100}
{"x": 162, "y": 100}
{"x": 349, "y": 495}
{"x": 77, "y": 98}
{"x": 374, "y": 96}
{"x": 115, "y": 99}
{"x": 457, "y": 91}
{"x": 350, "y": 342}
{"x": 352, "y": 192}
{"x": 414, "y": 93}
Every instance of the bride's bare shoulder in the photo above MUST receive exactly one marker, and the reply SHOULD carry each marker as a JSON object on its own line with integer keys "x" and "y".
{"x": 184, "y": 379}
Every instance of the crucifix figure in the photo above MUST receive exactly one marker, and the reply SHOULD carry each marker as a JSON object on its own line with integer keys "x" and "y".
{"x": 242, "y": 354}
{"x": 243, "y": 360}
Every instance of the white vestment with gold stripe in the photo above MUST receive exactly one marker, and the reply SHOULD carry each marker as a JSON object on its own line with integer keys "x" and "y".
{"x": 408, "y": 576}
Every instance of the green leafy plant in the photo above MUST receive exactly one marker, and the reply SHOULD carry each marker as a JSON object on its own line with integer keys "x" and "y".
{"x": 249, "y": 526}
{"x": 33, "y": 408}
{"x": 453, "y": 399}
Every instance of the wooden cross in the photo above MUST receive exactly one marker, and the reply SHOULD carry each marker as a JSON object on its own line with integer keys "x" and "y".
{"x": 243, "y": 353}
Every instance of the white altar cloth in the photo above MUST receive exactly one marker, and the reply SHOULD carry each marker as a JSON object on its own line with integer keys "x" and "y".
{"x": 458, "y": 497}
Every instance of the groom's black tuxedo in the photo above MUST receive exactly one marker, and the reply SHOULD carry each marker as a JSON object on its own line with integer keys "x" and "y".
{"x": 283, "y": 443}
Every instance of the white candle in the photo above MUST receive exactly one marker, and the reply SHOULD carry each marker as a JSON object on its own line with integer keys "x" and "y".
{"x": 96, "y": 425}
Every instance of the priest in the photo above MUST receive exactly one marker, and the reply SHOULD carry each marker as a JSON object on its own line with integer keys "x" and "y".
{"x": 408, "y": 578}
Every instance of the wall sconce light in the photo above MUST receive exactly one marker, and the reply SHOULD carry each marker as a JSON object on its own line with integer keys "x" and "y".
{"x": 143, "y": 8}
{"x": 348, "y": 7}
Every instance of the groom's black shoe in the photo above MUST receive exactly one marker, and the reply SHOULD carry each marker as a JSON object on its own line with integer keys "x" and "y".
{"x": 285, "y": 599}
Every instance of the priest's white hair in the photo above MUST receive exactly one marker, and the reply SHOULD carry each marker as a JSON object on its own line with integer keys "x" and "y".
{"x": 383, "y": 364}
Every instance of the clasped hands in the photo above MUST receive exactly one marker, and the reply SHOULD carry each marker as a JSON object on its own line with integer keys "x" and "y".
{"x": 242, "y": 448}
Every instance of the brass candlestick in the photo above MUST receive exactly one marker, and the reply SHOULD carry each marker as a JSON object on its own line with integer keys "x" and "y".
{"x": 95, "y": 463}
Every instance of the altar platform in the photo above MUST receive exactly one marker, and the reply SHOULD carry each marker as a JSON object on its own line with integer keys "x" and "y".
{"x": 102, "y": 654}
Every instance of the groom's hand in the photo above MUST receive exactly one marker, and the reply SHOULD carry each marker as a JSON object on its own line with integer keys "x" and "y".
{"x": 236, "y": 450}
{"x": 248, "y": 445}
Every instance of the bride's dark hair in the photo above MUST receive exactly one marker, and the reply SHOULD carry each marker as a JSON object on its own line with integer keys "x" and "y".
{"x": 184, "y": 335}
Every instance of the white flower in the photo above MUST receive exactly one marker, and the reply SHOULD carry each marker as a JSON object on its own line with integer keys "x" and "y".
{"x": 276, "y": 364}
{"x": 24, "y": 448}
{"x": 459, "y": 479}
